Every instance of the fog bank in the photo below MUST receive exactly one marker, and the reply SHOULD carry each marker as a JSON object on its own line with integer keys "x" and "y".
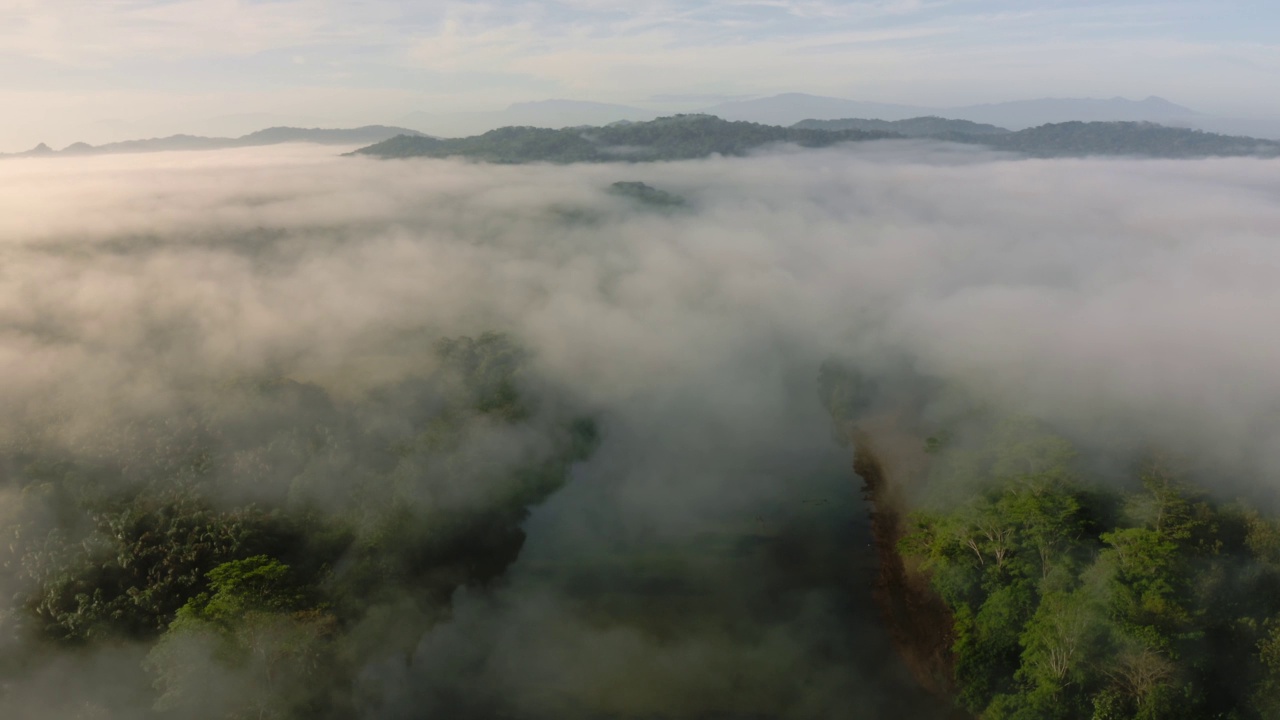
{"x": 1127, "y": 301}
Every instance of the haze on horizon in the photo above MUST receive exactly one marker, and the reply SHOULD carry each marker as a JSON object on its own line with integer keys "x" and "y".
{"x": 111, "y": 70}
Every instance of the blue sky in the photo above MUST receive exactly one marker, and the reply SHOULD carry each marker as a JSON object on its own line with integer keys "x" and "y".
{"x": 96, "y": 69}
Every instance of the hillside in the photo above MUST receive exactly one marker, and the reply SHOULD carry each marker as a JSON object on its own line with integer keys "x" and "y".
{"x": 684, "y": 137}
{"x": 680, "y": 137}
{"x": 790, "y": 108}
{"x": 1028, "y": 575}
{"x": 1076, "y": 139}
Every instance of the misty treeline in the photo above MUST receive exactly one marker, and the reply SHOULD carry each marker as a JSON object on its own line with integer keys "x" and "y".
{"x": 685, "y": 137}
{"x": 264, "y": 540}
{"x": 679, "y": 137}
{"x": 1086, "y": 582}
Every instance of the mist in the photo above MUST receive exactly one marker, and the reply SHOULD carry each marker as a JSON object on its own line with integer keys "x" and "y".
{"x": 1127, "y": 302}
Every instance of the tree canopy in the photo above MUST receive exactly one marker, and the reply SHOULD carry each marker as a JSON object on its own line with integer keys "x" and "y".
{"x": 246, "y": 537}
{"x": 1074, "y": 598}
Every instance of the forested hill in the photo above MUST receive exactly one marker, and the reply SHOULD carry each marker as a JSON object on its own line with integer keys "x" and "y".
{"x": 1076, "y": 139}
{"x": 1078, "y": 582}
{"x": 1071, "y": 139}
{"x": 680, "y": 137}
{"x": 684, "y": 137}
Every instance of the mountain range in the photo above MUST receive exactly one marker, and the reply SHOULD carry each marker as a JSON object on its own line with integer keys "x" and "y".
{"x": 790, "y": 108}
{"x": 542, "y": 113}
{"x": 683, "y": 137}
{"x": 680, "y": 137}
{"x": 538, "y": 136}
{"x": 794, "y": 107}
{"x": 270, "y": 136}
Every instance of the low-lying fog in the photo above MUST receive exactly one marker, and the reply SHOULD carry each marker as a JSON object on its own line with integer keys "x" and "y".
{"x": 1098, "y": 294}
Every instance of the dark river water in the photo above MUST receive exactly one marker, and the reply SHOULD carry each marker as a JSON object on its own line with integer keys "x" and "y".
{"x": 711, "y": 567}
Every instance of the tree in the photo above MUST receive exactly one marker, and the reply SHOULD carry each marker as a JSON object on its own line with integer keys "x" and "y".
{"x": 1266, "y": 696}
{"x": 249, "y": 647}
{"x": 1048, "y": 516}
{"x": 1140, "y": 671}
{"x": 1063, "y": 634}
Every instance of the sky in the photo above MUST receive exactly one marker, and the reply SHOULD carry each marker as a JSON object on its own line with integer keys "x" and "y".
{"x": 103, "y": 70}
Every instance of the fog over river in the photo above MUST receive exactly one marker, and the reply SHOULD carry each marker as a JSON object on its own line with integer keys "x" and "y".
{"x": 711, "y": 558}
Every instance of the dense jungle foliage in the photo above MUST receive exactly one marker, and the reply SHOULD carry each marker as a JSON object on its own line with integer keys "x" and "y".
{"x": 270, "y": 539}
{"x": 1074, "y": 597}
{"x": 1142, "y": 139}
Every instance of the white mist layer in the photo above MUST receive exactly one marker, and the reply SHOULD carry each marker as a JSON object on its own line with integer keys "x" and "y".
{"x": 1107, "y": 296}
{"x": 1145, "y": 290}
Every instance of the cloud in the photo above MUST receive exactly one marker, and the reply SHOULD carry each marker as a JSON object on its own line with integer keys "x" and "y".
{"x": 1127, "y": 274}
{"x": 1114, "y": 298}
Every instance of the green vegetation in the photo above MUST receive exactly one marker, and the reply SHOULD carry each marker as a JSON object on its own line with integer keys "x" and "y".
{"x": 257, "y": 620}
{"x": 681, "y": 137}
{"x": 258, "y": 539}
{"x": 1076, "y": 139}
{"x": 1074, "y": 598}
{"x": 685, "y": 137}
{"x": 646, "y": 194}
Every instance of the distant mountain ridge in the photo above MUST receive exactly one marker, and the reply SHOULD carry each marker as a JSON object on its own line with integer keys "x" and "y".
{"x": 791, "y": 108}
{"x": 679, "y": 137}
{"x": 552, "y": 114}
{"x": 1022, "y": 114}
{"x": 1142, "y": 139}
{"x": 269, "y": 136}
{"x": 932, "y": 126}
{"x": 683, "y": 137}
{"x": 692, "y": 136}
